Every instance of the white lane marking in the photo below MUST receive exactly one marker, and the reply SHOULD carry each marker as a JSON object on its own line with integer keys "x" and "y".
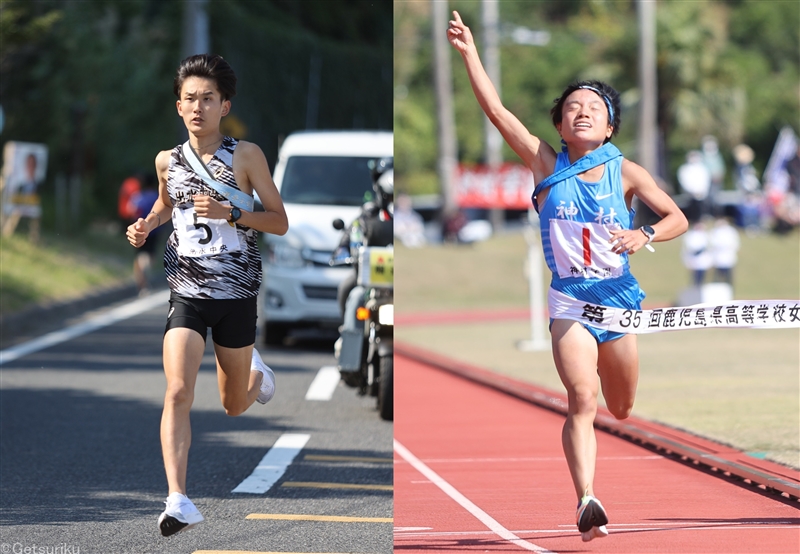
{"x": 628, "y": 528}
{"x": 324, "y": 384}
{"x": 529, "y": 459}
{"x": 465, "y": 502}
{"x": 274, "y": 464}
{"x": 119, "y": 313}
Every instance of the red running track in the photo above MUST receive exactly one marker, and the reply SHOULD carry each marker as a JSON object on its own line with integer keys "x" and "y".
{"x": 479, "y": 470}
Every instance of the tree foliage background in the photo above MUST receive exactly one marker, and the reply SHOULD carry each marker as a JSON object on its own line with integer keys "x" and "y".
{"x": 726, "y": 68}
{"x": 93, "y": 80}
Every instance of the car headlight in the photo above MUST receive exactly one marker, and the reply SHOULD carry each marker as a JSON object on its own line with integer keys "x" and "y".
{"x": 386, "y": 314}
{"x": 285, "y": 255}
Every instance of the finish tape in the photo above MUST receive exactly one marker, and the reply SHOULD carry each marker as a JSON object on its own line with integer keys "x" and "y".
{"x": 745, "y": 314}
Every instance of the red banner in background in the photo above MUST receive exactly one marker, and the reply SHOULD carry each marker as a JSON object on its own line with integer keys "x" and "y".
{"x": 508, "y": 186}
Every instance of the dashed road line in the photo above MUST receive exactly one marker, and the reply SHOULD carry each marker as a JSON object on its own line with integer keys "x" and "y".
{"x": 307, "y": 517}
{"x": 324, "y": 384}
{"x": 274, "y": 464}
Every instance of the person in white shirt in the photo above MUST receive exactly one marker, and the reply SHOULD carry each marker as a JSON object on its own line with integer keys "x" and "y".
{"x": 724, "y": 243}
{"x": 695, "y": 180}
{"x": 696, "y": 253}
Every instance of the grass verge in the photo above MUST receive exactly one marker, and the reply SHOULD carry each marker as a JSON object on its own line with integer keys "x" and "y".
{"x": 60, "y": 268}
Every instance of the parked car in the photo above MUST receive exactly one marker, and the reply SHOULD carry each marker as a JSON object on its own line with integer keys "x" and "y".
{"x": 322, "y": 176}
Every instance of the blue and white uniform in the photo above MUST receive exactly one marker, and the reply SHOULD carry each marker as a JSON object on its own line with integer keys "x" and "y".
{"x": 575, "y": 220}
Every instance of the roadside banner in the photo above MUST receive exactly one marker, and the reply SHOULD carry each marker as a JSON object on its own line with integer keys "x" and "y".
{"x": 508, "y": 186}
{"x": 24, "y": 169}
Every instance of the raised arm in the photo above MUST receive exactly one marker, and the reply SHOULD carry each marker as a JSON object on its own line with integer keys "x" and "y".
{"x": 537, "y": 154}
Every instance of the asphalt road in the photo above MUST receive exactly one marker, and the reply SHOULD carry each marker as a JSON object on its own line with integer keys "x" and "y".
{"x": 81, "y": 468}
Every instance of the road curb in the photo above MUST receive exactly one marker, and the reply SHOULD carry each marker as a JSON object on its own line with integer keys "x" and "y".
{"x": 718, "y": 459}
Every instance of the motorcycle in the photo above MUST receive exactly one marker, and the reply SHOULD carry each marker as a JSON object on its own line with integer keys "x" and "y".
{"x": 365, "y": 349}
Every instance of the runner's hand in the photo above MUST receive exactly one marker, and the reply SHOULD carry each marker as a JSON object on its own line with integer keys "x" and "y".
{"x": 623, "y": 240}
{"x": 459, "y": 34}
{"x": 137, "y": 233}
{"x": 207, "y": 207}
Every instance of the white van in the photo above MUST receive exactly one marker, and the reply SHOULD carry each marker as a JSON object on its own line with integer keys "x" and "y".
{"x": 322, "y": 176}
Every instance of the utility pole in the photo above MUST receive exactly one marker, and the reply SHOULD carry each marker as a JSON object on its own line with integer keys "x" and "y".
{"x": 648, "y": 123}
{"x": 446, "y": 127}
{"x": 195, "y": 41}
{"x": 493, "y": 140}
{"x": 195, "y": 28}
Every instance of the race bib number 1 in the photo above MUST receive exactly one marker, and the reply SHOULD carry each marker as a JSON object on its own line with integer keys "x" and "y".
{"x": 200, "y": 237}
{"x": 583, "y": 250}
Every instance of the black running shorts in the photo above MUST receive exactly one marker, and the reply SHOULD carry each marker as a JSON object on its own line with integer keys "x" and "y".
{"x": 232, "y": 322}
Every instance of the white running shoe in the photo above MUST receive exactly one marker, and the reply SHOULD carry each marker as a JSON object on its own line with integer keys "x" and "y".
{"x": 595, "y": 533}
{"x": 591, "y": 515}
{"x": 179, "y": 514}
{"x": 267, "y": 381}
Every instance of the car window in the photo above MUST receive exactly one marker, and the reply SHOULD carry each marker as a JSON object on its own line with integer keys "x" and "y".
{"x": 334, "y": 180}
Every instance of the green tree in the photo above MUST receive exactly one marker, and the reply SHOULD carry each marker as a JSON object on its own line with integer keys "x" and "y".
{"x": 727, "y": 68}
{"x": 93, "y": 80}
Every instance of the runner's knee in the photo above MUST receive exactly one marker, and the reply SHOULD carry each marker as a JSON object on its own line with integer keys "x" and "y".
{"x": 178, "y": 395}
{"x": 583, "y": 400}
{"x": 620, "y": 409}
{"x": 234, "y": 409}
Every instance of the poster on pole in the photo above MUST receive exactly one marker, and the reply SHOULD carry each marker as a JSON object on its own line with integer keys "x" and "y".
{"x": 508, "y": 186}
{"x": 24, "y": 169}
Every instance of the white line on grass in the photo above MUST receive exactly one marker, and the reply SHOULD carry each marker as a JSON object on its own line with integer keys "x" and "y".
{"x": 110, "y": 317}
{"x": 324, "y": 384}
{"x": 274, "y": 464}
{"x": 465, "y": 502}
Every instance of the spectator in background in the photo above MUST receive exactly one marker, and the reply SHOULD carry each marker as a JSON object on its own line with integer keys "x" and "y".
{"x": 695, "y": 253}
{"x": 141, "y": 203}
{"x": 724, "y": 243}
{"x": 787, "y": 209}
{"x": 695, "y": 180}
{"x": 716, "y": 169}
{"x": 748, "y": 184}
{"x": 129, "y": 188}
{"x": 408, "y": 224}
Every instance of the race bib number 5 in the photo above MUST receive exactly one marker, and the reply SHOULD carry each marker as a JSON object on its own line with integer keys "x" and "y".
{"x": 200, "y": 237}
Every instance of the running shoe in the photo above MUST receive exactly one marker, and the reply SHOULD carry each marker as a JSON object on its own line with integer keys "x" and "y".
{"x": 267, "y": 381}
{"x": 180, "y": 514}
{"x": 594, "y": 533}
{"x": 590, "y": 514}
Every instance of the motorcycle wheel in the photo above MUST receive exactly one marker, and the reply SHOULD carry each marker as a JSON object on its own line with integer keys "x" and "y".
{"x": 386, "y": 388}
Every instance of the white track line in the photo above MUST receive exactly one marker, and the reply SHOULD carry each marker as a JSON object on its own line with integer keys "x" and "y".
{"x": 529, "y": 459}
{"x": 324, "y": 384}
{"x": 110, "y": 317}
{"x": 465, "y": 502}
{"x": 274, "y": 464}
{"x": 569, "y": 529}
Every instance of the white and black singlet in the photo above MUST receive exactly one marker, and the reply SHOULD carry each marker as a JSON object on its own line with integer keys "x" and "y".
{"x": 207, "y": 258}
